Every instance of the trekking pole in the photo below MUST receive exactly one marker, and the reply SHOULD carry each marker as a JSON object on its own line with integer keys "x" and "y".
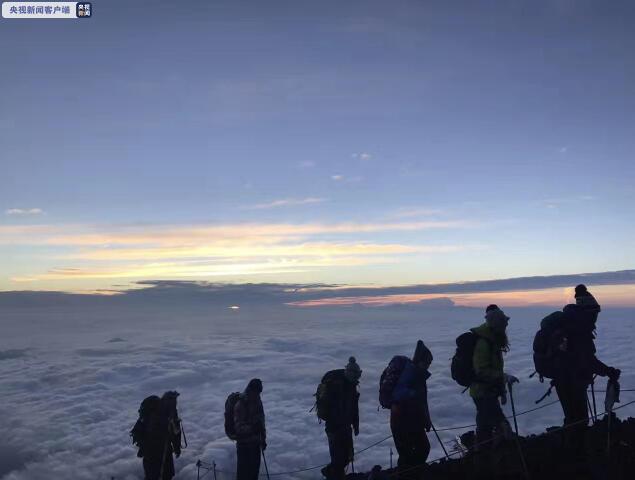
{"x": 588, "y": 404}
{"x": 608, "y": 440}
{"x": 440, "y": 442}
{"x": 511, "y": 398}
{"x": 198, "y": 469}
{"x": 163, "y": 457}
{"x": 520, "y": 450}
{"x": 353, "y": 461}
{"x": 595, "y": 411}
{"x": 264, "y": 459}
{"x": 214, "y": 468}
{"x": 183, "y": 433}
{"x": 391, "y": 458}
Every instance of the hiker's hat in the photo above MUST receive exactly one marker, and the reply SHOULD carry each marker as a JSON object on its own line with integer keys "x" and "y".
{"x": 352, "y": 370}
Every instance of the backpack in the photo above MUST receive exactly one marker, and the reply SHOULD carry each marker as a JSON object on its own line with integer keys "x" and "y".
{"x": 551, "y": 333}
{"x": 327, "y": 392}
{"x": 230, "y": 403}
{"x": 148, "y": 412}
{"x": 389, "y": 379}
{"x": 462, "y": 367}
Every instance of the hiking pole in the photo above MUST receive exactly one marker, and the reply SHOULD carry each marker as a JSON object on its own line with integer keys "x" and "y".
{"x": 391, "y": 458}
{"x": 440, "y": 442}
{"x": 595, "y": 411}
{"x": 264, "y": 459}
{"x": 520, "y": 450}
{"x": 198, "y": 469}
{"x": 608, "y": 439}
{"x": 353, "y": 461}
{"x": 511, "y": 398}
{"x": 588, "y": 404}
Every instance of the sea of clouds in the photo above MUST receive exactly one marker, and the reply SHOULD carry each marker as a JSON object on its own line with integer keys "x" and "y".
{"x": 72, "y": 378}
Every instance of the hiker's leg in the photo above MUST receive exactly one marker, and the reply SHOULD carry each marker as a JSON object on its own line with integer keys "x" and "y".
{"x": 168, "y": 467}
{"x": 487, "y": 417}
{"x": 254, "y": 455}
{"x": 563, "y": 391}
{"x": 151, "y": 468}
{"x": 580, "y": 406}
{"x": 421, "y": 447}
{"x": 241, "y": 467}
{"x": 401, "y": 442}
{"x": 152, "y": 463}
{"x": 339, "y": 449}
{"x": 574, "y": 405}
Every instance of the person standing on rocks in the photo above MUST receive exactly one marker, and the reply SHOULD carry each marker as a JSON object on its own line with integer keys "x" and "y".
{"x": 488, "y": 390}
{"x": 337, "y": 401}
{"x": 250, "y": 432}
{"x": 576, "y": 362}
{"x": 409, "y": 414}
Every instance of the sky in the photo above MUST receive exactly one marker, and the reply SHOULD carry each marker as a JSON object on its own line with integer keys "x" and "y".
{"x": 358, "y": 142}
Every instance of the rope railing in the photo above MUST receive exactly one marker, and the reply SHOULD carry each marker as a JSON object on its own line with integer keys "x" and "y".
{"x": 212, "y": 466}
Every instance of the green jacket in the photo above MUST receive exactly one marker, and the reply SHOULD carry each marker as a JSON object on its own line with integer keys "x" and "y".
{"x": 488, "y": 365}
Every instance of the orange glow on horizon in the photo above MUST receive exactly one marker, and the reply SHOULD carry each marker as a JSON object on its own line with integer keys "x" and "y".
{"x": 608, "y": 295}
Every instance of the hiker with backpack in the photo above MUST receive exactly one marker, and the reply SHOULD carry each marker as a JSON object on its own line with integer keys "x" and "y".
{"x": 564, "y": 350}
{"x": 337, "y": 403}
{"x": 409, "y": 414}
{"x": 478, "y": 364}
{"x": 245, "y": 423}
{"x": 157, "y": 433}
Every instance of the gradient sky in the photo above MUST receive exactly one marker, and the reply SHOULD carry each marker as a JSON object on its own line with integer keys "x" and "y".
{"x": 363, "y": 142}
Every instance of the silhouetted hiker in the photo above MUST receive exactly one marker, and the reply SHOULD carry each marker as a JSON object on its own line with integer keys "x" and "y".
{"x": 409, "y": 414}
{"x": 157, "y": 433}
{"x": 337, "y": 404}
{"x": 490, "y": 380}
{"x": 249, "y": 430}
{"x": 575, "y": 362}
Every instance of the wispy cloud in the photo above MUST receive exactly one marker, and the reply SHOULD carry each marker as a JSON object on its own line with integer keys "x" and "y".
{"x": 337, "y": 177}
{"x": 219, "y": 250}
{"x": 24, "y": 211}
{"x": 416, "y": 212}
{"x": 287, "y": 202}
{"x": 553, "y": 203}
{"x": 362, "y": 156}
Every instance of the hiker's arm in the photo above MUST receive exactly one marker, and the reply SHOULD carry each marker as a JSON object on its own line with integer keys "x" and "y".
{"x": 602, "y": 369}
{"x": 356, "y": 413}
{"x": 176, "y": 444}
{"x": 427, "y": 422}
{"x": 483, "y": 368}
{"x": 264, "y": 429}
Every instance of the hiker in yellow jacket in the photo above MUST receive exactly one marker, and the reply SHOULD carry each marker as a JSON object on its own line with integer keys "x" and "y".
{"x": 488, "y": 390}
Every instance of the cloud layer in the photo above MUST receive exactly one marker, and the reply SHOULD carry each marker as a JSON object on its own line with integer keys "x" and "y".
{"x": 72, "y": 392}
